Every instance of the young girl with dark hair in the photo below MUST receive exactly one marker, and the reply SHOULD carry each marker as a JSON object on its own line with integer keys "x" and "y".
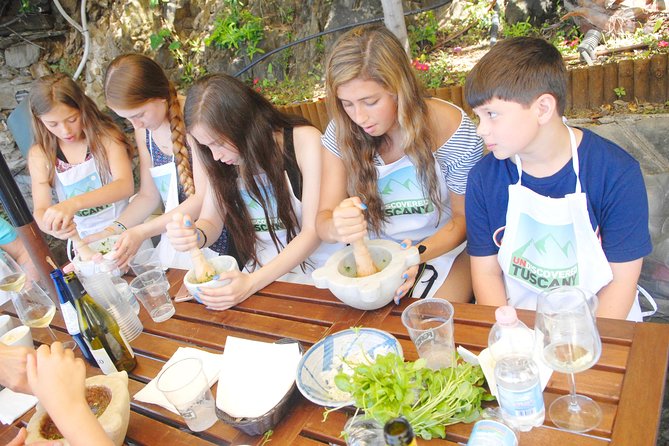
{"x": 264, "y": 176}
{"x": 137, "y": 89}
{"x": 81, "y": 153}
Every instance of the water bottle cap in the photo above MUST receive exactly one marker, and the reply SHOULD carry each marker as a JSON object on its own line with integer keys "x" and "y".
{"x": 506, "y": 314}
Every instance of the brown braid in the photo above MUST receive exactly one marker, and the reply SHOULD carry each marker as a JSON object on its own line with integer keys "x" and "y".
{"x": 178, "y": 129}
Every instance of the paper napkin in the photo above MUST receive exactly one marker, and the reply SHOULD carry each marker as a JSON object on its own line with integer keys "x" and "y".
{"x": 14, "y": 404}
{"x": 211, "y": 364}
{"x": 487, "y": 363}
{"x": 255, "y": 376}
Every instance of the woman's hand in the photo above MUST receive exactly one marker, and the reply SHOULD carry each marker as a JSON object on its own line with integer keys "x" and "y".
{"x": 182, "y": 233}
{"x": 348, "y": 220}
{"x": 57, "y": 378}
{"x": 409, "y": 277}
{"x": 64, "y": 233}
{"x": 59, "y": 216}
{"x": 13, "y": 363}
{"x": 240, "y": 287}
{"x": 127, "y": 246}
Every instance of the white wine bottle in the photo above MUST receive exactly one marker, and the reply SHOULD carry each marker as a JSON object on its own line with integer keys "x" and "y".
{"x": 100, "y": 331}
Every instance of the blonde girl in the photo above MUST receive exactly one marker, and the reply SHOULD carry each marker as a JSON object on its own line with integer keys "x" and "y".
{"x": 80, "y": 153}
{"x": 397, "y": 162}
{"x": 137, "y": 89}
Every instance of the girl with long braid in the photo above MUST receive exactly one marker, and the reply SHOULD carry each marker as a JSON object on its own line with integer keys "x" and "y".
{"x": 397, "y": 162}
{"x": 137, "y": 89}
{"x": 81, "y": 154}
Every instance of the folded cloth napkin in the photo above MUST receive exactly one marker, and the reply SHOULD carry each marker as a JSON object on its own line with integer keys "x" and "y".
{"x": 487, "y": 363}
{"x": 14, "y": 404}
{"x": 211, "y": 364}
{"x": 255, "y": 376}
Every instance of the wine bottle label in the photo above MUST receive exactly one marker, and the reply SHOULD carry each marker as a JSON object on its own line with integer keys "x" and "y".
{"x": 104, "y": 361}
{"x": 70, "y": 318}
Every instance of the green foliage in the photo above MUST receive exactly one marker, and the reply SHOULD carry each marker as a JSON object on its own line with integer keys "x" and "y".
{"x": 184, "y": 53}
{"x": 26, "y": 7}
{"x": 289, "y": 90}
{"x": 423, "y": 31}
{"x": 236, "y": 27}
{"x": 620, "y": 92}
{"x": 519, "y": 29}
{"x": 428, "y": 399}
{"x": 156, "y": 3}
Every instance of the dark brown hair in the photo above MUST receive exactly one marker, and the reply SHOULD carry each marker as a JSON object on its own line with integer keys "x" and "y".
{"x": 519, "y": 69}
{"x": 132, "y": 80}
{"x": 242, "y": 117}
{"x": 374, "y": 53}
{"x": 54, "y": 89}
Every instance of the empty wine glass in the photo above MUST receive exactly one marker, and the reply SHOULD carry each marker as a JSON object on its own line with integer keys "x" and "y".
{"x": 567, "y": 331}
{"x": 12, "y": 276}
{"x": 36, "y": 309}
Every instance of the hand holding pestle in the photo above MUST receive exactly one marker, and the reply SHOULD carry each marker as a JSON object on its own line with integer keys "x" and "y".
{"x": 364, "y": 264}
{"x": 203, "y": 270}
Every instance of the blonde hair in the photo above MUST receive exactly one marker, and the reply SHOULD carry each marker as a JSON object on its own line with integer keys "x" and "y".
{"x": 374, "y": 53}
{"x": 132, "y": 80}
{"x": 59, "y": 89}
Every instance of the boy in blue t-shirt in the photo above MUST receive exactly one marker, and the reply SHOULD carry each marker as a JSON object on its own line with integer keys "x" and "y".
{"x": 550, "y": 205}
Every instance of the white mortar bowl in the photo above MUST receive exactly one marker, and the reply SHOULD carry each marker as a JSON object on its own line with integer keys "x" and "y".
{"x": 370, "y": 292}
{"x": 221, "y": 264}
{"x": 89, "y": 267}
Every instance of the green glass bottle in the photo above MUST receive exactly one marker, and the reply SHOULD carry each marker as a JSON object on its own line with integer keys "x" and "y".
{"x": 100, "y": 331}
{"x": 398, "y": 432}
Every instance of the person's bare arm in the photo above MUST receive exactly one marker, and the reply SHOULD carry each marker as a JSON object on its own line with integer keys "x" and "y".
{"x": 449, "y": 236}
{"x": 488, "y": 281}
{"x": 617, "y": 297}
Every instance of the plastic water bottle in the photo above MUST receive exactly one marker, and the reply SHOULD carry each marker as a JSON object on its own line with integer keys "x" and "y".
{"x": 492, "y": 431}
{"x": 519, "y": 393}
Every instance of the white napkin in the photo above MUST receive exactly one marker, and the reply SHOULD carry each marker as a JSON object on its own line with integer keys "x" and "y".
{"x": 255, "y": 376}
{"x": 14, "y": 404}
{"x": 211, "y": 364}
{"x": 487, "y": 363}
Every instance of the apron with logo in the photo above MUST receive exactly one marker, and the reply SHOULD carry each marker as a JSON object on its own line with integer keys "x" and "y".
{"x": 411, "y": 215}
{"x": 549, "y": 242}
{"x": 77, "y": 180}
{"x": 165, "y": 179}
{"x": 265, "y": 248}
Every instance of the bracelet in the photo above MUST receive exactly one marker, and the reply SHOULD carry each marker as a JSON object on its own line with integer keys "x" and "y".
{"x": 204, "y": 237}
{"x": 119, "y": 225}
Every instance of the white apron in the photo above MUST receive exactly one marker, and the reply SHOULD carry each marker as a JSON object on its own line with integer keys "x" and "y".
{"x": 165, "y": 179}
{"x": 265, "y": 248}
{"x": 77, "y": 180}
{"x": 549, "y": 242}
{"x": 411, "y": 215}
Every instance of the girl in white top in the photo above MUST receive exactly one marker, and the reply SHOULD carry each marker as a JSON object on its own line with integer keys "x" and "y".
{"x": 82, "y": 154}
{"x": 264, "y": 173}
{"x": 397, "y": 163}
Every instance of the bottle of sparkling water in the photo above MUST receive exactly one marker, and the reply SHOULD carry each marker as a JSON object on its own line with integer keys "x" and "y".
{"x": 492, "y": 431}
{"x": 519, "y": 393}
{"x": 70, "y": 314}
{"x": 101, "y": 332}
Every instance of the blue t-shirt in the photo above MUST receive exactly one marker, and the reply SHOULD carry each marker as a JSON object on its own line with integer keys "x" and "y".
{"x": 610, "y": 177}
{"x": 7, "y": 232}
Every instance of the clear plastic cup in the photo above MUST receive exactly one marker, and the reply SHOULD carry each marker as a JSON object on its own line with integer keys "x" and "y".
{"x": 360, "y": 431}
{"x": 102, "y": 288}
{"x": 151, "y": 288}
{"x": 430, "y": 326}
{"x": 185, "y": 386}
{"x": 145, "y": 260}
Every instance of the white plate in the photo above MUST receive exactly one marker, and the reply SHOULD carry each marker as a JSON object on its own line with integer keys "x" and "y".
{"x": 318, "y": 367}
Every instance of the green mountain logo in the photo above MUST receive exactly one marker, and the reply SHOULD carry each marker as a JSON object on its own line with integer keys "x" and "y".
{"x": 408, "y": 185}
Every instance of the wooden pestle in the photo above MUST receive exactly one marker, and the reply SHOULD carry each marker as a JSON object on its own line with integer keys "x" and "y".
{"x": 364, "y": 264}
{"x": 85, "y": 252}
{"x": 203, "y": 270}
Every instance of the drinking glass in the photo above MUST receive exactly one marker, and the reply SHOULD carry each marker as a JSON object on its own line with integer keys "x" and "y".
{"x": 36, "y": 309}
{"x": 567, "y": 331}
{"x": 12, "y": 277}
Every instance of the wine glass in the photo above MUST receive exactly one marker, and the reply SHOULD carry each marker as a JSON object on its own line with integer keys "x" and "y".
{"x": 36, "y": 309}
{"x": 567, "y": 332}
{"x": 12, "y": 276}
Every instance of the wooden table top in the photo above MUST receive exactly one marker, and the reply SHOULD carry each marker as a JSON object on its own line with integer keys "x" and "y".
{"x": 627, "y": 382}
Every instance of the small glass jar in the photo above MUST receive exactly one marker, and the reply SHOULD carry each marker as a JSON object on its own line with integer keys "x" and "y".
{"x": 360, "y": 431}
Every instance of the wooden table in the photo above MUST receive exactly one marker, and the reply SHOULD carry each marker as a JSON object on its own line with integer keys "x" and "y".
{"x": 627, "y": 382}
